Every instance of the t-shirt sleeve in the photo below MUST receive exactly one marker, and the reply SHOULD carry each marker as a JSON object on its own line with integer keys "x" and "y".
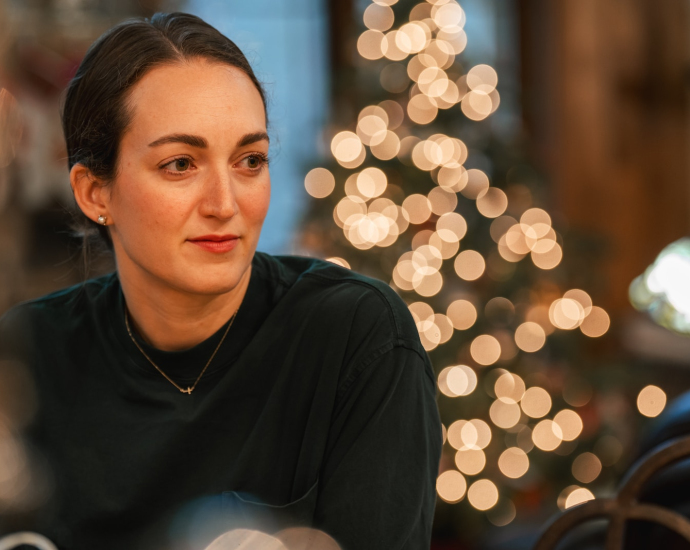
{"x": 377, "y": 482}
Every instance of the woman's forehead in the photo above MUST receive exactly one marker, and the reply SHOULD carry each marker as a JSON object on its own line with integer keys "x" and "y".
{"x": 197, "y": 97}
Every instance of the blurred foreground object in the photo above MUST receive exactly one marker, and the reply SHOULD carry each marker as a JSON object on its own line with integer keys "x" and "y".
{"x": 293, "y": 538}
{"x": 32, "y": 539}
{"x": 663, "y": 290}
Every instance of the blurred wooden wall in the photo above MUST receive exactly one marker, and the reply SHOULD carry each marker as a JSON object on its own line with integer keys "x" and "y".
{"x": 606, "y": 106}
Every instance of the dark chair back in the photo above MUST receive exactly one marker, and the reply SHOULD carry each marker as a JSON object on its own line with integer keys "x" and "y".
{"x": 626, "y": 505}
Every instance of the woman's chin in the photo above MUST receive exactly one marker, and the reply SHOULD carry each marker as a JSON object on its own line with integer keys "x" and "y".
{"x": 213, "y": 281}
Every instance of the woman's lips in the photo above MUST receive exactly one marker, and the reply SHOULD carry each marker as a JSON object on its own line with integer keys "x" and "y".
{"x": 217, "y": 246}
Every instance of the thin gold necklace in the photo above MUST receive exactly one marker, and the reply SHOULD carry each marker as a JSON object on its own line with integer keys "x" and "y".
{"x": 189, "y": 389}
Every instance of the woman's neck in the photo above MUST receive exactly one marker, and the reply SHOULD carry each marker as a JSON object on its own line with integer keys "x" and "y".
{"x": 171, "y": 320}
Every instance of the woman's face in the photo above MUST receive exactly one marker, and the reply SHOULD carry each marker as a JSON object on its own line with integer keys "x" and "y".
{"x": 192, "y": 188}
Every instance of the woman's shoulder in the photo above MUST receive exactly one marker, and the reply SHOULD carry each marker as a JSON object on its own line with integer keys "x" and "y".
{"x": 57, "y": 307}
{"x": 373, "y": 303}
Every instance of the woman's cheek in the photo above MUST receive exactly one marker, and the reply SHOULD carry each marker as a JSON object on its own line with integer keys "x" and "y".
{"x": 153, "y": 218}
{"x": 262, "y": 201}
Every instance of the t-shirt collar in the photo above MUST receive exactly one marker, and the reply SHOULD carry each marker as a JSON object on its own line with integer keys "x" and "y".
{"x": 186, "y": 365}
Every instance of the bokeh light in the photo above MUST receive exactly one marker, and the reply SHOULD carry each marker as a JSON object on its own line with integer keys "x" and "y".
{"x": 581, "y": 297}
{"x": 347, "y": 148}
{"x": 477, "y": 105}
{"x": 536, "y": 402}
{"x": 371, "y": 182}
{"x": 349, "y": 208}
{"x": 492, "y": 202}
{"x": 651, "y": 401}
{"x": 319, "y": 182}
{"x": 451, "y": 486}
{"x": 416, "y": 209}
{"x": 477, "y": 181}
{"x": 566, "y": 313}
{"x": 577, "y": 495}
{"x": 378, "y": 17}
{"x": 534, "y": 216}
{"x": 474, "y": 434}
{"x": 586, "y": 467}
{"x": 339, "y": 261}
{"x": 513, "y": 462}
{"x": 469, "y": 265}
{"x": 547, "y": 435}
{"x": 485, "y": 349}
{"x": 387, "y": 148}
{"x": 482, "y": 494}
{"x": 596, "y": 324}
{"x": 549, "y": 259}
{"x": 530, "y": 337}
{"x": 570, "y": 423}
{"x": 391, "y": 45}
{"x": 456, "y": 439}
{"x": 457, "y": 381}
{"x": 582, "y": 496}
{"x": 421, "y": 109}
{"x": 470, "y": 461}
{"x": 482, "y": 77}
{"x": 509, "y": 388}
{"x": 462, "y": 380}
{"x": 454, "y": 178}
{"x": 370, "y": 44}
{"x": 442, "y": 202}
{"x": 462, "y": 314}
{"x": 504, "y": 414}
{"x": 447, "y": 248}
{"x": 372, "y": 126}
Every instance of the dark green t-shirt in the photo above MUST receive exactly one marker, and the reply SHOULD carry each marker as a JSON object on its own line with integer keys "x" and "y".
{"x": 318, "y": 409}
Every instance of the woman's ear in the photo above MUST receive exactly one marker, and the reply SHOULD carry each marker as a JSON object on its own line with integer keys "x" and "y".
{"x": 91, "y": 195}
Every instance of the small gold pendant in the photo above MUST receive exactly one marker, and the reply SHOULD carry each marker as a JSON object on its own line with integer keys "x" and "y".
{"x": 187, "y": 391}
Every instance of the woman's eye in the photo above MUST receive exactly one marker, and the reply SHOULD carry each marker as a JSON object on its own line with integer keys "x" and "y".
{"x": 181, "y": 164}
{"x": 254, "y": 162}
{"x": 178, "y": 165}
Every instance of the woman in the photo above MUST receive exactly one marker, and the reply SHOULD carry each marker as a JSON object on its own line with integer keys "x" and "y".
{"x": 206, "y": 385}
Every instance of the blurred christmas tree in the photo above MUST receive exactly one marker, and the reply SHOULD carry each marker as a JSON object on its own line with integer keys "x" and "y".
{"x": 453, "y": 218}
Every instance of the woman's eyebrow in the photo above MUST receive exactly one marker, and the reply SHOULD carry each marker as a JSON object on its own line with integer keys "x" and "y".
{"x": 194, "y": 141}
{"x": 200, "y": 142}
{"x": 248, "y": 139}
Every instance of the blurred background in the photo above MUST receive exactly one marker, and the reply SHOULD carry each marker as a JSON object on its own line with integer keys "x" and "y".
{"x": 512, "y": 168}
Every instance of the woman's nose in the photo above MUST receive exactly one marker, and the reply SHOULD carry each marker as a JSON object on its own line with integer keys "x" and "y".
{"x": 219, "y": 199}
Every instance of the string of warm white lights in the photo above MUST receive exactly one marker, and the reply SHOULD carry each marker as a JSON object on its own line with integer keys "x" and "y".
{"x": 428, "y": 84}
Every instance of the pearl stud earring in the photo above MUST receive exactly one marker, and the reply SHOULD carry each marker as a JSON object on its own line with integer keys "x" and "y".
{"x": 103, "y": 220}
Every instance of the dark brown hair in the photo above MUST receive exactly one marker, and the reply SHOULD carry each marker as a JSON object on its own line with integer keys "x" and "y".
{"x": 95, "y": 114}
